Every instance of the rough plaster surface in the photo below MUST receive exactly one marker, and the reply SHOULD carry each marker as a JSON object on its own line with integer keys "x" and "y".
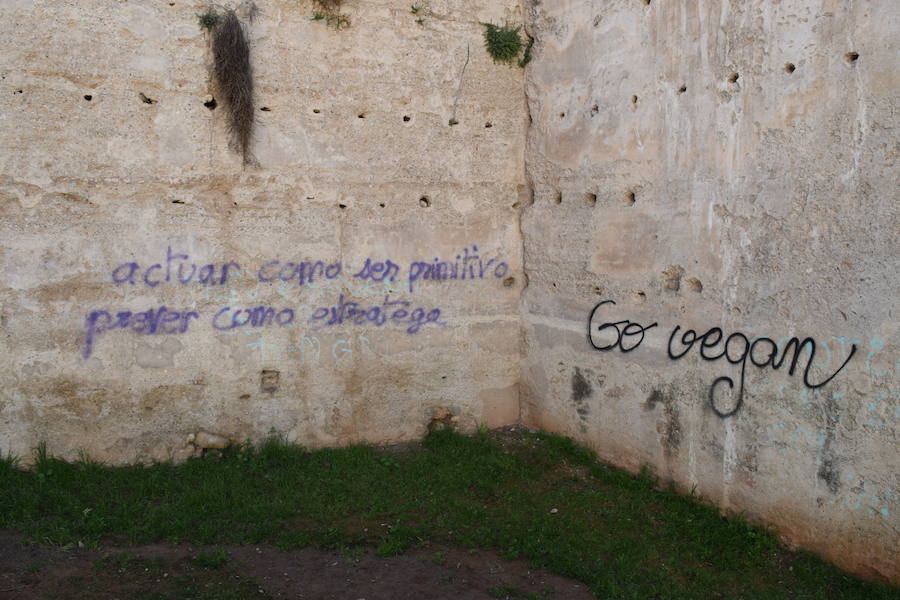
{"x": 764, "y": 203}
{"x": 87, "y": 186}
{"x": 683, "y": 170}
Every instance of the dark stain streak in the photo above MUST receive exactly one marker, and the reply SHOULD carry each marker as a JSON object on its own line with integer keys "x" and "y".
{"x": 581, "y": 390}
{"x": 581, "y": 387}
{"x": 655, "y": 397}
{"x": 828, "y": 467}
{"x": 670, "y": 428}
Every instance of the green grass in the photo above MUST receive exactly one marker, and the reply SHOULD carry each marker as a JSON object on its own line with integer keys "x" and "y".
{"x": 211, "y": 559}
{"x": 335, "y": 20}
{"x": 209, "y": 19}
{"x": 620, "y": 534}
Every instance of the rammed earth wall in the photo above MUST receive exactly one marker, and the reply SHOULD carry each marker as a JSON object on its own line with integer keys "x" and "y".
{"x": 719, "y": 180}
{"x": 673, "y": 236}
{"x": 361, "y": 280}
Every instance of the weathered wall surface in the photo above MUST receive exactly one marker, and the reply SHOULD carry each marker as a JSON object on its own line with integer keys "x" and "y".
{"x": 723, "y": 165}
{"x": 356, "y": 162}
{"x": 727, "y": 169}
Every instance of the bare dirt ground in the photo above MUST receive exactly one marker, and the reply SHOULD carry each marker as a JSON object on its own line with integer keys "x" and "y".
{"x": 29, "y": 572}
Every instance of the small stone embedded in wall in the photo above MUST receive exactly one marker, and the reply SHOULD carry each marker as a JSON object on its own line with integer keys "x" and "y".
{"x": 672, "y": 277}
{"x": 268, "y": 380}
{"x": 443, "y": 418}
{"x": 204, "y": 440}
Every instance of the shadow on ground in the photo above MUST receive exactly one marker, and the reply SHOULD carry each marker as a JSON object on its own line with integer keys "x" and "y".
{"x": 30, "y": 572}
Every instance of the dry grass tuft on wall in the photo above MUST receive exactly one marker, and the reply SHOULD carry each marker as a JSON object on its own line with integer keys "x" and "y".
{"x": 234, "y": 80}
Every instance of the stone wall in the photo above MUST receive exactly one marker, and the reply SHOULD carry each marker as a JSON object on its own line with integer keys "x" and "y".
{"x": 627, "y": 237}
{"x": 727, "y": 166}
{"x": 117, "y": 182}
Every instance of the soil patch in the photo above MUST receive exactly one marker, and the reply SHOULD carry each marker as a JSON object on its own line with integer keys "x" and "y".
{"x": 30, "y": 572}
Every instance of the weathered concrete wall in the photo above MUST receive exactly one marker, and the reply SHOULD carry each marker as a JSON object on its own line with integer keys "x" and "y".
{"x": 730, "y": 165}
{"x": 703, "y": 165}
{"x": 356, "y": 161}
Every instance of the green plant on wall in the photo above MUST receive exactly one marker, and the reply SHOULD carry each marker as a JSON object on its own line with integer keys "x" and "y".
{"x": 502, "y": 42}
{"x": 335, "y": 21}
{"x": 209, "y": 20}
{"x": 330, "y": 12}
{"x": 526, "y": 56}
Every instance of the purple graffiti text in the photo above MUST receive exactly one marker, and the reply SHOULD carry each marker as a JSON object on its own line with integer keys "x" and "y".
{"x": 394, "y": 311}
{"x": 302, "y": 272}
{"x": 378, "y": 271}
{"x": 468, "y": 265}
{"x": 154, "y": 321}
{"x": 227, "y": 319}
{"x": 175, "y": 268}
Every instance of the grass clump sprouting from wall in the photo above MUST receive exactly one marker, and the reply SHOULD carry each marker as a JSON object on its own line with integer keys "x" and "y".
{"x": 330, "y": 12}
{"x": 208, "y": 20}
{"x": 232, "y": 73}
{"x": 503, "y": 43}
{"x": 330, "y": 5}
{"x": 234, "y": 80}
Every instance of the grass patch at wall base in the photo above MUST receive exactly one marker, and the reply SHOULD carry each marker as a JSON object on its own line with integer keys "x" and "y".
{"x": 527, "y": 495}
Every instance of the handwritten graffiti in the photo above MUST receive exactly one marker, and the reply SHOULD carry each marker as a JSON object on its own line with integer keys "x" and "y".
{"x": 154, "y": 321}
{"x": 736, "y": 349}
{"x": 177, "y": 268}
{"x": 379, "y": 270}
{"x": 629, "y": 330}
{"x": 311, "y": 350}
{"x": 303, "y": 272}
{"x": 260, "y": 316}
{"x": 396, "y": 311}
{"x": 467, "y": 265}
{"x": 174, "y": 268}
{"x": 164, "y": 321}
{"x": 237, "y": 292}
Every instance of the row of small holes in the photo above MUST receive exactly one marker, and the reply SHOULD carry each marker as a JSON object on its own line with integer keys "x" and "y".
{"x": 590, "y": 198}
{"x": 424, "y": 202}
{"x": 211, "y": 104}
{"x": 850, "y": 58}
{"x": 406, "y": 118}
